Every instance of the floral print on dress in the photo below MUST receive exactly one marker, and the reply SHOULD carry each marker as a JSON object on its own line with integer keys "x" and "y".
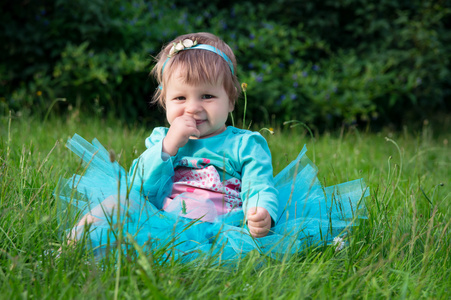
{"x": 196, "y": 163}
{"x": 201, "y": 190}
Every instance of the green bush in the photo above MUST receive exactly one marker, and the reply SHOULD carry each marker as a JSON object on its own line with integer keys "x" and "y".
{"x": 96, "y": 54}
{"x": 344, "y": 61}
{"x": 322, "y": 62}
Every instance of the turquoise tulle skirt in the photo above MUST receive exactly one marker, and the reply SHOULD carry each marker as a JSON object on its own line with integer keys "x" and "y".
{"x": 309, "y": 214}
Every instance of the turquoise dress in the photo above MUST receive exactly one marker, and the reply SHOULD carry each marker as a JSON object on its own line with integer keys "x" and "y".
{"x": 303, "y": 212}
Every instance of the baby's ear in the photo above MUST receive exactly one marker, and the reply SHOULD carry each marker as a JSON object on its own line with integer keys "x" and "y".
{"x": 231, "y": 105}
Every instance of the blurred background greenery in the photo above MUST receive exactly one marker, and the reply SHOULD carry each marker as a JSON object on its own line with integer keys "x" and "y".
{"x": 325, "y": 63}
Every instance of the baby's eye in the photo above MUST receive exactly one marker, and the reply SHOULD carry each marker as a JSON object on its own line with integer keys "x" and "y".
{"x": 181, "y": 98}
{"x": 208, "y": 96}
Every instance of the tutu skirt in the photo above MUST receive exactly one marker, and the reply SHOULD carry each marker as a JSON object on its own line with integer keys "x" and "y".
{"x": 309, "y": 214}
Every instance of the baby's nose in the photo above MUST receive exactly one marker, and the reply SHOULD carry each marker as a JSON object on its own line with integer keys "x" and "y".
{"x": 193, "y": 107}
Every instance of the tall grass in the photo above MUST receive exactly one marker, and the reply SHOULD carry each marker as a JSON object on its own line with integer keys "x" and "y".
{"x": 401, "y": 251}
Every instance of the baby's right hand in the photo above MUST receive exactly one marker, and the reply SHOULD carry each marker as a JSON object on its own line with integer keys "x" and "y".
{"x": 181, "y": 129}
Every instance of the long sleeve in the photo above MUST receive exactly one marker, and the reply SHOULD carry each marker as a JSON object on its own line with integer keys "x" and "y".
{"x": 257, "y": 187}
{"x": 151, "y": 172}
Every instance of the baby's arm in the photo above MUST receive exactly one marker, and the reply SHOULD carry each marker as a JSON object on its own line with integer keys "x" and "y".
{"x": 258, "y": 192}
{"x": 152, "y": 172}
{"x": 258, "y": 221}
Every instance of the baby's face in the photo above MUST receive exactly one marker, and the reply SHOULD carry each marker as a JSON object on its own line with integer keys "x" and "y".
{"x": 209, "y": 105}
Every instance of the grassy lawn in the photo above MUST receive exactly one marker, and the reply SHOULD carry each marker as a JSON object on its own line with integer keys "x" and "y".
{"x": 401, "y": 251}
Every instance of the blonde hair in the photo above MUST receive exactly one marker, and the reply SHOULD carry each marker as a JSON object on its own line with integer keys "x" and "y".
{"x": 200, "y": 66}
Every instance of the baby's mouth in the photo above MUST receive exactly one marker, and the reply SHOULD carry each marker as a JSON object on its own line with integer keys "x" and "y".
{"x": 198, "y": 122}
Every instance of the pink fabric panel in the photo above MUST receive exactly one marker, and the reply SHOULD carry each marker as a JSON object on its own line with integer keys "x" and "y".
{"x": 199, "y": 193}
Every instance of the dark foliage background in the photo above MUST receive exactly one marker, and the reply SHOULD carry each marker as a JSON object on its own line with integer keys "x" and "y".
{"x": 321, "y": 62}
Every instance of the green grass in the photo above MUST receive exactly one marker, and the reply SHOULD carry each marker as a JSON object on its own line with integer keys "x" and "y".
{"x": 401, "y": 251}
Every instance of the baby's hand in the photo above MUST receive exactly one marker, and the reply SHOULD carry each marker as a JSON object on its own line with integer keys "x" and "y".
{"x": 181, "y": 129}
{"x": 258, "y": 221}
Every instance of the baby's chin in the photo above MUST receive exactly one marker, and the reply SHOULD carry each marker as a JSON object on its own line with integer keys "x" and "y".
{"x": 209, "y": 134}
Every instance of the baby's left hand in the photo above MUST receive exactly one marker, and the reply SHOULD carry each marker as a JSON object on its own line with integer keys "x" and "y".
{"x": 258, "y": 221}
